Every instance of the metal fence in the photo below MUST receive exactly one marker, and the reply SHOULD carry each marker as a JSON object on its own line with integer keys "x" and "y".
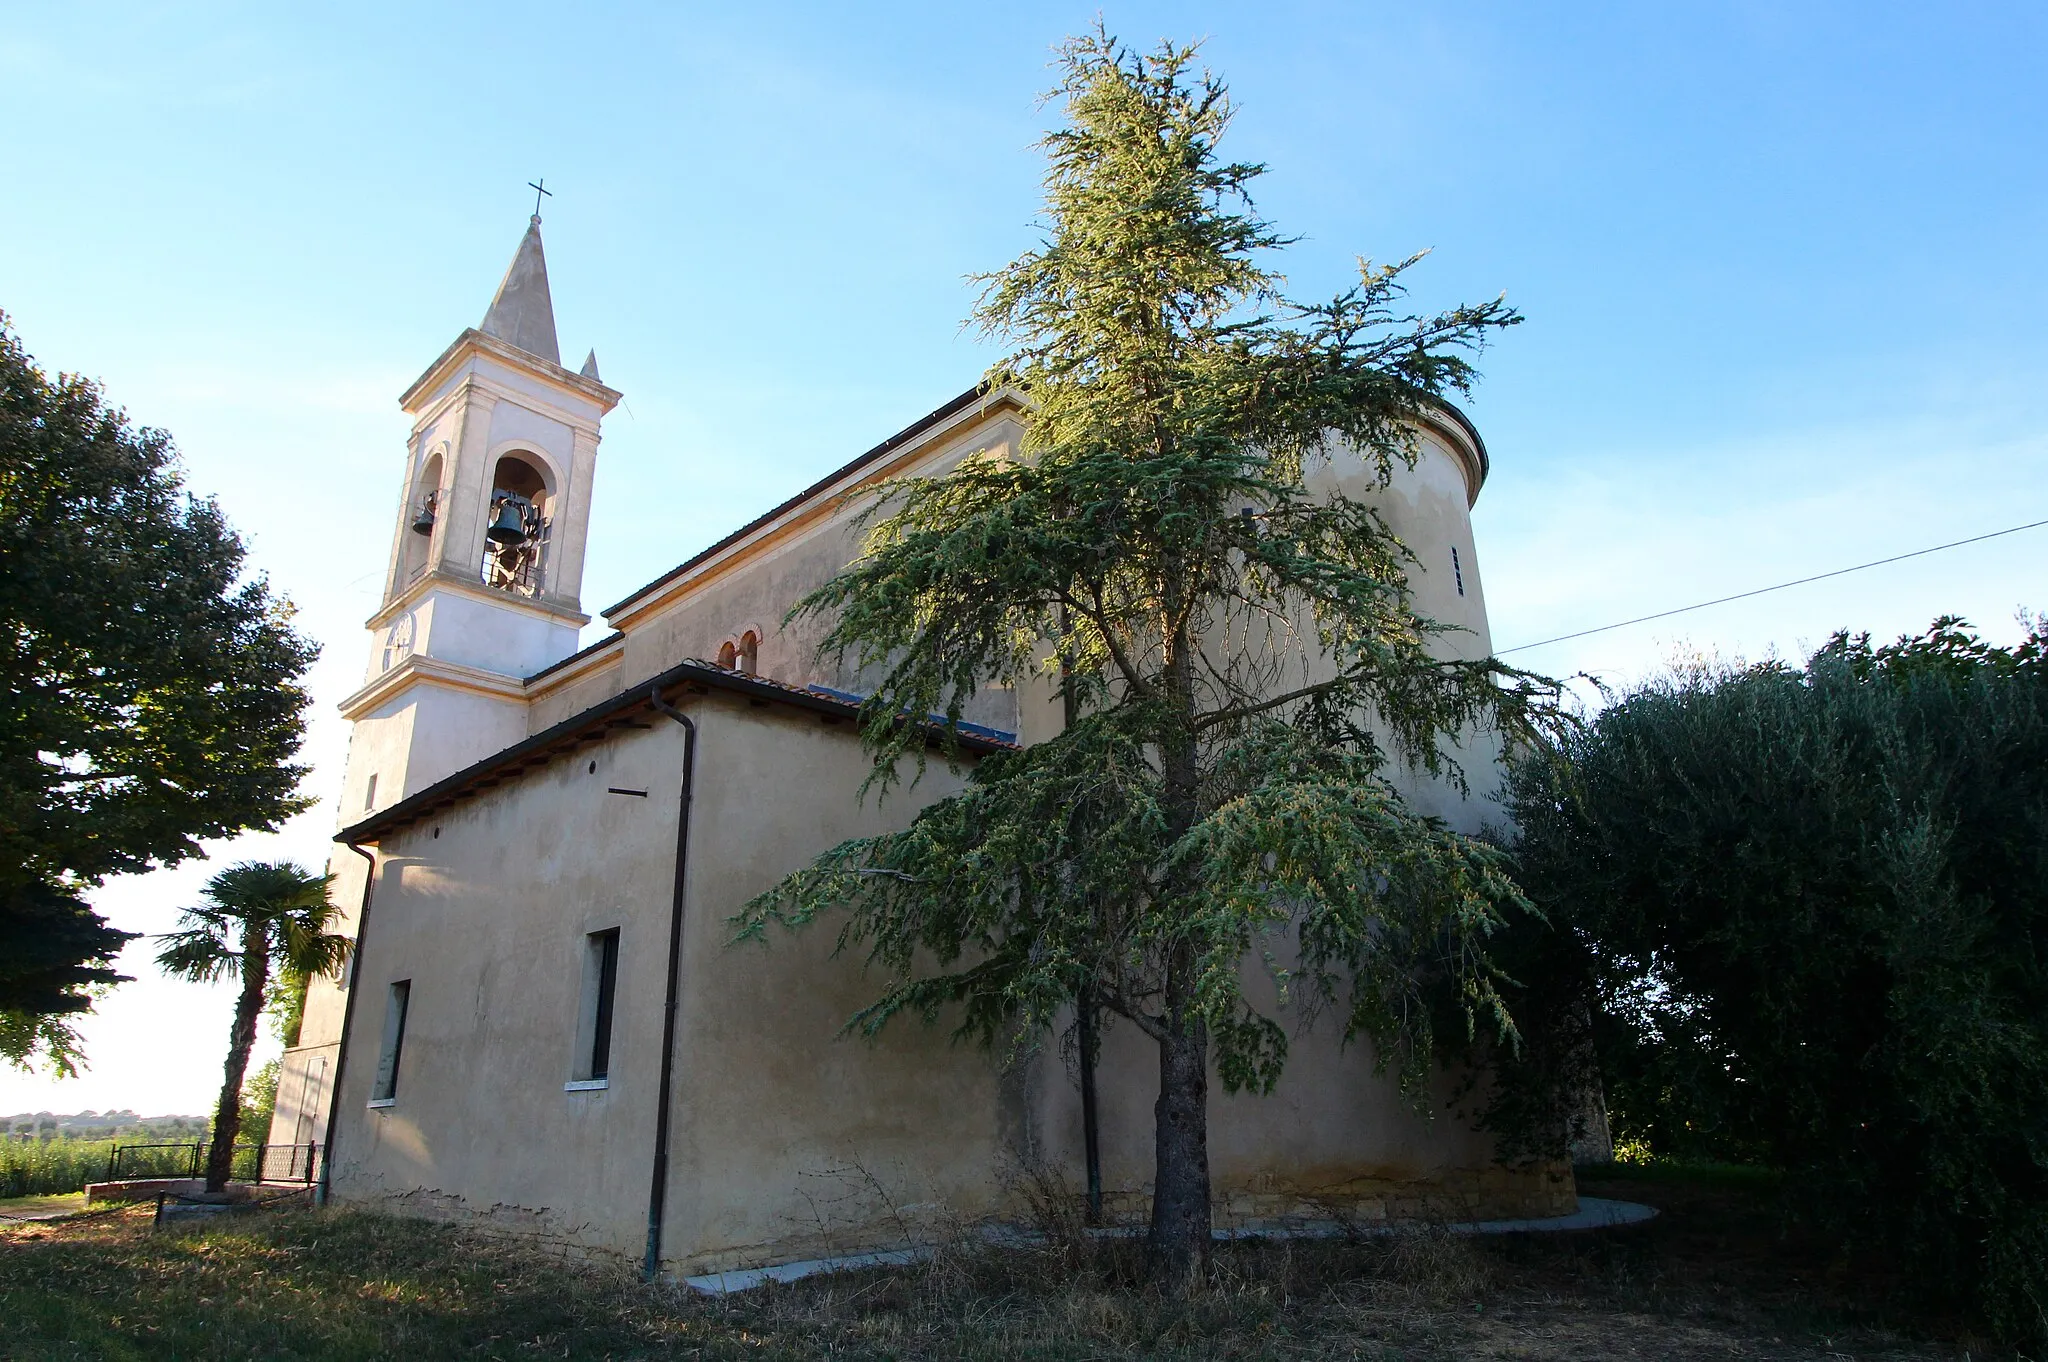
{"x": 251, "y": 1163}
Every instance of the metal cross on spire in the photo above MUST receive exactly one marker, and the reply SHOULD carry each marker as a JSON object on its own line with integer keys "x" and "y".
{"x": 539, "y": 190}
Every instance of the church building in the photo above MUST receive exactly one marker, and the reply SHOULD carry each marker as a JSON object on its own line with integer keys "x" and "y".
{"x": 544, "y": 1027}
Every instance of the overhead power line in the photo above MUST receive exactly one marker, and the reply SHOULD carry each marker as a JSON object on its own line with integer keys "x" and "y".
{"x": 1762, "y": 590}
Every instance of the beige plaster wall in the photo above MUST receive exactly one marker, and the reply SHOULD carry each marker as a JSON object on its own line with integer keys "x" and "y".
{"x": 1331, "y": 1135}
{"x": 789, "y": 1140}
{"x": 488, "y": 921}
{"x": 799, "y": 1140}
{"x": 1429, "y": 509}
{"x": 476, "y": 627}
{"x": 559, "y": 698}
{"x": 425, "y": 733}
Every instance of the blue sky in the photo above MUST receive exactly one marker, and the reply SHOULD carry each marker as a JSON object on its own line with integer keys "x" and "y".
{"x": 1782, "y": 264}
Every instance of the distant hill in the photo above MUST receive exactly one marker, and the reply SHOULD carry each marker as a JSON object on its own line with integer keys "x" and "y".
{"x": 100, "y": 1125}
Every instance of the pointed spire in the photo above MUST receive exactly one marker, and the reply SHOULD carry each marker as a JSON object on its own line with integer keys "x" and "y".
{"x": 589, "y": 369}
{"x": 523, "y": 314}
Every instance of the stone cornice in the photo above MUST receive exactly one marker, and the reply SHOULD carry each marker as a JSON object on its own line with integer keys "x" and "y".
{"x": 475, "y": 341}
{"x": 454, "y": 397}
{"x": 551, "y": 608}
{"x": 418, "y": 670}
{"x": 499, "y": 392}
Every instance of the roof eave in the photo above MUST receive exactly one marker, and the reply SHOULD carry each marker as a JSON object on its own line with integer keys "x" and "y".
{"x": 544, "y": 746}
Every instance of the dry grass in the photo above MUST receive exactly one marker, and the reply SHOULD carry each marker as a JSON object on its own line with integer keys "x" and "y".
{"x": 345, "y": 1285}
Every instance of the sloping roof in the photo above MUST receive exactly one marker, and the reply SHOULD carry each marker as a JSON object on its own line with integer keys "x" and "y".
{"x": 896, "y": 441}
{"x": 607, "y": 641}
{"x": 523, "y": 313}
{"x": 624, "y": 710}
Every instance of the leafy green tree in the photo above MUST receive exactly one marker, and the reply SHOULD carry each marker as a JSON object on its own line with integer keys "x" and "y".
{"x": 285, "y": 1004}
{"x": 1807, "y": 911}
{"x": 257, "y": 919}
{"x": 259, "y": 1103}
{"x": 57, "y": 953}
{"x": 1242, "y": 657}
{"x": 149, "y": 691}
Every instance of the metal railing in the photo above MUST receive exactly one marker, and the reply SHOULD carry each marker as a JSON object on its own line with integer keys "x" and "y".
{"x": 251, "y": 1163}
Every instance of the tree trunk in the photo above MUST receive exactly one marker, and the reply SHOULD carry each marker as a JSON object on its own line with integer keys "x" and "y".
{"x": 1180, "y": 1118}
{"x": 227, "y": 1119}
{"x": 1180, "y": 1134}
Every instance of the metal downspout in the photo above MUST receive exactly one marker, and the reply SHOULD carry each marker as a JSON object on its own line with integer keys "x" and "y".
{"x": 657, "y": 1192}
{"x": 348, "y": 1016}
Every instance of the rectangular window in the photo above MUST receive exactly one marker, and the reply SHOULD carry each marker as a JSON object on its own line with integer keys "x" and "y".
{"x": 1457, "y": 569}
{"x": 594, "y": 1024}
{"x": 370, "y": 792}
{"x": 386, "y": 1088}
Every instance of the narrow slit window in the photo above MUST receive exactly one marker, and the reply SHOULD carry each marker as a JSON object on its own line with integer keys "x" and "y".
{"x": 395, "y": 1008}
{"x": 600, "y": 987}
{"x": 1457, "y": 570}
{"x": 370, "y": 792}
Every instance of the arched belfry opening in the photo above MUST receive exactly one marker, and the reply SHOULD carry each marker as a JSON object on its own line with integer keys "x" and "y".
{"x": 423, "y": 517}
{"x": 516, "y": 526}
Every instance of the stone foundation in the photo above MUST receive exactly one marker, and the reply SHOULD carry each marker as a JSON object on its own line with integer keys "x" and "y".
{"x": 870, "y": 1222}
{"x": 1459, "y": 1196}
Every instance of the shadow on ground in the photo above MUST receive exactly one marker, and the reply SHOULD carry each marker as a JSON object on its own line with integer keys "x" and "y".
{"x": 1713, "y": 1277}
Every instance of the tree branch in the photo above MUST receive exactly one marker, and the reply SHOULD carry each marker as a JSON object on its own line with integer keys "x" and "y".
{"x": 1245, "y": 711}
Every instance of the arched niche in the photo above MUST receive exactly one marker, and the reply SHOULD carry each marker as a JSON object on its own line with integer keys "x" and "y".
{"x": 423, "y": 516}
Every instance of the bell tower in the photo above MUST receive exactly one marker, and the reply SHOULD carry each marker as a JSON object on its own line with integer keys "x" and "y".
{"x": 482, "y": 586}
{"x": 481, "y": 590}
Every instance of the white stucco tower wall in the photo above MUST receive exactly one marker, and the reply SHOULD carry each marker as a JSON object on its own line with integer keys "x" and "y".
{"x": 465, "y": 618}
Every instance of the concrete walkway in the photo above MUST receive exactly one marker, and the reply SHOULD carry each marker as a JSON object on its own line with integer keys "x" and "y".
{"x": 1594, "y": 1213}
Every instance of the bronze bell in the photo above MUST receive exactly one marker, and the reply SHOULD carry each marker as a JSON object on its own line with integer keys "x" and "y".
{"x": 509, "y": 526}
{"x": 423, "y": 523}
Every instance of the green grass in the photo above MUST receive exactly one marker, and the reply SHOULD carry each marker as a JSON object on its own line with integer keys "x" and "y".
{"x": 350, "y": 1285}
{"x": 15, "y": 1207}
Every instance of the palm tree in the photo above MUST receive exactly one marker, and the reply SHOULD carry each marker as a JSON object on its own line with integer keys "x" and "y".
{"x": 258, "y": 918}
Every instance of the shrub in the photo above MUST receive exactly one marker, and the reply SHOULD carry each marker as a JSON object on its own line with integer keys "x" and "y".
{"x": 51, "y": 1167}
{"x": 1801, "y": 917}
